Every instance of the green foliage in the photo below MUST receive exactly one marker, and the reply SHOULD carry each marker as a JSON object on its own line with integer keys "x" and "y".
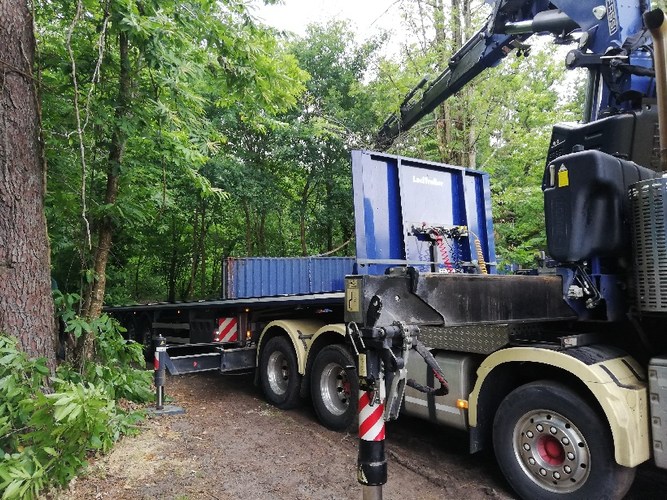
{"x": 190, "y": 64}
{"x": 49, "y": 425}
{"x": 116, "y": 365}
{"x": 284, "y": 173}
{"x": 515, "y": 151}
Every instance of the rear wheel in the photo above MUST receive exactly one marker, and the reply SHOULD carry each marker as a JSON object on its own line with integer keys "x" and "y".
{"x": 334, "y": 388}
{"x": 278, "y": 373}
{"x": 550, "y": 443}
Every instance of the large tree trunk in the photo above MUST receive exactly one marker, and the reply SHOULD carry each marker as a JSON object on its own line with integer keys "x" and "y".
{"x": 26, "y": 306}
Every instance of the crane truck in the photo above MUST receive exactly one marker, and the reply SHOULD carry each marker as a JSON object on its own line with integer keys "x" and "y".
{"x": 564, "y": 375}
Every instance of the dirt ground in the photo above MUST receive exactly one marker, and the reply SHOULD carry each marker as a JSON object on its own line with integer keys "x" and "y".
{"x": 231, "y": 444}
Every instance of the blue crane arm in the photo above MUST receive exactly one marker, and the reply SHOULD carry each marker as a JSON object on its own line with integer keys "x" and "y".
{"x": 603, "y": 48}
{"x": 476, "y": 56}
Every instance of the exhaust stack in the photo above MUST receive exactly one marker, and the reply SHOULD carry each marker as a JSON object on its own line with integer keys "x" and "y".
{"x": 656, "y": 23}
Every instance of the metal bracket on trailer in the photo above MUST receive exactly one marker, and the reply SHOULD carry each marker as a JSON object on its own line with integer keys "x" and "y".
{"x": 208, "y": 357}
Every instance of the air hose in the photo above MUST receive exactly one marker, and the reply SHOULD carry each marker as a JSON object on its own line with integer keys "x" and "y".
{"x": 443, "y": 390}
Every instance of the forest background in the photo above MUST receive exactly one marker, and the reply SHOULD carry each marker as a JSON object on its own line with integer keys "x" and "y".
{"x": 178, "y": 134}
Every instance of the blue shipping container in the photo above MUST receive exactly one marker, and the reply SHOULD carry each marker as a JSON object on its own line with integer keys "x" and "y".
{"x": 250, "y": 277}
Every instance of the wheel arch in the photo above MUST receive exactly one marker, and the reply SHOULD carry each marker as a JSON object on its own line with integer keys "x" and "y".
{"x": 614, "y": 386}
{"x": 300, "y": 333}
{"x": 333, "y": 333}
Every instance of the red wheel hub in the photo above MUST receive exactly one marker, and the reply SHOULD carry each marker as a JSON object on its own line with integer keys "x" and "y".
{"x": 551, "y": 450}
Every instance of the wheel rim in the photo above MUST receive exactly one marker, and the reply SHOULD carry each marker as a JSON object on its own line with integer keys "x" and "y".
{"x": 278, "y": 373}
{"x": 552, "y": 451}
{"x": 335, "y": 389}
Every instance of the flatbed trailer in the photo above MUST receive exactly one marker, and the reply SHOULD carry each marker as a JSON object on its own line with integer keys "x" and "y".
{"x": 217, "y": 334}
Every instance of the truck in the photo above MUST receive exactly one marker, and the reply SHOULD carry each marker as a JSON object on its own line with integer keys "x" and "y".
{"x": 563, "y": 375}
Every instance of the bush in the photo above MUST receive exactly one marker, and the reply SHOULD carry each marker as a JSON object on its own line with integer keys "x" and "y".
{"x": 49, "y": 424}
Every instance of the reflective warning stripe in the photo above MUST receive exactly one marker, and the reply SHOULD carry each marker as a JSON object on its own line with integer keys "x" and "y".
{"x": 371, "y": 419}
{"x": 227, "y": 330}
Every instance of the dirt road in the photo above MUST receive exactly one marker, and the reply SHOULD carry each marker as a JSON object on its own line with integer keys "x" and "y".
{"x": 230, "y": 444}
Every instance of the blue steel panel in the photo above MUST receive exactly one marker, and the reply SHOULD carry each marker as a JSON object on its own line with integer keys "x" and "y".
{"x": 377, "y": 208}
{"x": 252, "y": 277}
{"x": 395, "y": 198}
{"x": 478, "y": 209}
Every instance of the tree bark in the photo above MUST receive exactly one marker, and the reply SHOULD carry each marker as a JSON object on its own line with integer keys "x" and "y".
{"x": 248, "y": 228}
{"x": 26, "y": 305}
{"x": 303, "y": 208}
{"x": 202, "y": 250}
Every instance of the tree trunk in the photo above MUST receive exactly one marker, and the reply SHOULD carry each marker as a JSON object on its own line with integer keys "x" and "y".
{"x": 261, "y": 233}
{"x": 303, "y": 209}
{"x": 137, "y": 271}
{"x": 329, "y": 222}
{"x": 202, "y": 250}
{"x": 248, "y": 228}
{"x": 95, "y": 296}
{"x": 194, "y": 258}
{"x": 26, "y": 305}
{"x": 171, "y": 279}
{"x": 453, "y": 126}
{"x": 442, "y": 112}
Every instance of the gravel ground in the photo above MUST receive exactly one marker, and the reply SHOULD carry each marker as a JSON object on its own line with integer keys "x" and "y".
{"x": 231, "y": 444}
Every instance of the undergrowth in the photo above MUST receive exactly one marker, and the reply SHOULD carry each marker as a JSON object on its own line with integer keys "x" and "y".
{"x": 49, "y": 424}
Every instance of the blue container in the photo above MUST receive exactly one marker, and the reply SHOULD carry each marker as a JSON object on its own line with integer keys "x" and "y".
{"x": 251, "y": 277}
{"x": 397, "y": 199}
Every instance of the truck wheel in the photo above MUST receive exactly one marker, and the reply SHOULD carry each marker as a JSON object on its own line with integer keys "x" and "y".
{"x": 551, "y": 444}
{"x": 278, "y": 373}
{"x": 334, "y": 390}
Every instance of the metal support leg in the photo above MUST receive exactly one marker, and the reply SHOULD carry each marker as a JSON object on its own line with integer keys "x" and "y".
{"x": 372, "y": 461}
{"x": 160, "y": 371}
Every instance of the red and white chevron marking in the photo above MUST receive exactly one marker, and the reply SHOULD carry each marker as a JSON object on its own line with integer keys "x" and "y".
{"x": 228, "y": 330}
{"x": 371, "y": 418}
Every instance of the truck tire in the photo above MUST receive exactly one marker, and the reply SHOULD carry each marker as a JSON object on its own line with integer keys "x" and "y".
{"x": 551, "y": 444}
{"x": 278, "y": 373}
{"x": 334, "y": 389}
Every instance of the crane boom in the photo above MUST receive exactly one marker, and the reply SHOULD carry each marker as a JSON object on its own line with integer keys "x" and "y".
{"x": 511, "y": 23}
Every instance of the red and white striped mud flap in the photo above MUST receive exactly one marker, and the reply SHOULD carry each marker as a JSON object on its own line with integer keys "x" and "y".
{"x": 371, "y": 418}
{"x": 227, "y": 331}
